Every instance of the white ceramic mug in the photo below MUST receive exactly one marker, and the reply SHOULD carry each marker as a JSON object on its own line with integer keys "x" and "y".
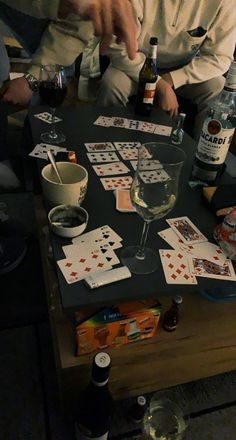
{"x": 73, "y": 189}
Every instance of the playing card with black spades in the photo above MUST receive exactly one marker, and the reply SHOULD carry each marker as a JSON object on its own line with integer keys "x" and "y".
{"x": 102, "y": 235}
{"x": 47, "y": 117}
{"x": 154, "y": 176}
{"x": 103, "y": 157}
{"x": 77, "y": 250}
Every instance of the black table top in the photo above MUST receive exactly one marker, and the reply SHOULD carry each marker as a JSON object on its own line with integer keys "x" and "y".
{"x": 78, "y": 126}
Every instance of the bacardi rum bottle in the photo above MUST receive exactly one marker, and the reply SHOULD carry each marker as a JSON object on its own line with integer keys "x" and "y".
{"x": 217, "y": 133}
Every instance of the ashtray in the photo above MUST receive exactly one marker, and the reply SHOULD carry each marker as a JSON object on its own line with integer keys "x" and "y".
{"x": 68, "y": 220}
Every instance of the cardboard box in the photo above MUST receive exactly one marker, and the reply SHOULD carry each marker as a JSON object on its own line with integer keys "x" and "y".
{"x": 117, "y": 325}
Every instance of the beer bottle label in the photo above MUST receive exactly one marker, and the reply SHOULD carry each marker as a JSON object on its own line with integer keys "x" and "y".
{"x": 149, "y": 93}
{"x": 214, "y": 142}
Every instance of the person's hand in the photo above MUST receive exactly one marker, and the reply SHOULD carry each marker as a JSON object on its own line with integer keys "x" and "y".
{"x": 17, "y": 91}
{"x": 166, "y": 97}
{"x": 109, "y": 17}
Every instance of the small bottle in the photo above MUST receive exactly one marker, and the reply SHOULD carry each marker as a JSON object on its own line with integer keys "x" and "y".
{"x": 94, "y": 407}
{"x": 171, "y": 316}
{"x": 137, "y": 410}
{"x": 217, "y": 133}
{"x": 177, "y": 133}
{"x": 147, "y": 81}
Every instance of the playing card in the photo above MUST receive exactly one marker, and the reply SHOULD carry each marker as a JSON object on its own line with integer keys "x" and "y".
{"x": 122, "y": 146}
{"x": 103, "y": 157}
{"x": 133, "y": 124}
{"x": 207, "y": 269}
{"x": 206, "y": 250}
{"x": 104, "y": 121}
{"x": 129, "y": 153}
{"x": 76, "y": 269}
{"x": 176, "y": 267}
{"x": 154, "y": 176}
{"x": 153, "y": 164}
{"x": 171, "y": 238}
{"x": 123, "y": 202}
{"x": 47, "y": 117}
{"x": 134, "y": 163}
{"x": 147, "y": 127}
{"x": 111, "y": 183}
{"x": 102, "y": 235}
{"x": 162, "y": 130}
{"x": 40, "y": 150}
{"x": 99, "y": 146}
{"x": 77, "y": 249}
{"x": 186, "y": 230}
{"x": 120, "y": 122}
{"x": 111, "y": 169}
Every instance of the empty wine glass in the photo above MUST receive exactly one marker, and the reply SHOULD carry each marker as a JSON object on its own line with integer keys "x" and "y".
{"x": 52, "y": 91}
{"x": 166, "y": 417}
{"x": 153, "y": 193}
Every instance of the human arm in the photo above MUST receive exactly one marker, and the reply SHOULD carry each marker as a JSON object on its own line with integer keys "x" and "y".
{"x": 216, "y": 51}
{"x": 165, "y": 95}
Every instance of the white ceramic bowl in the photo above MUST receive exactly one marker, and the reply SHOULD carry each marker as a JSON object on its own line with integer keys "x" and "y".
{"x": 68, "y": 220}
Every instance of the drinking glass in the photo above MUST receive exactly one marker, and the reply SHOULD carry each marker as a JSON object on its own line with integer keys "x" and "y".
{"x": 52, "y": 91}
{"x": 153, "y": 193}
{"x": 165, "y": 418}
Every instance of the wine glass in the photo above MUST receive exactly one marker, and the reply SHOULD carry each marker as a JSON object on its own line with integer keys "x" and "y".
{"x": 52, "y": 91}
{"x": 153, "y": 193}
{"x": 166, "y": 417}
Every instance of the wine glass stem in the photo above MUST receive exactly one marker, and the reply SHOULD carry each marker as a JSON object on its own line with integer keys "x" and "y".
{"x": 141, "y": 251}
{"x": 53, "y": 134}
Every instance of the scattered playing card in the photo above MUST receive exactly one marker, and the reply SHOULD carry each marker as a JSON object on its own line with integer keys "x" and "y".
{"x": 134, "y": 163}
{"x": 76, "y": 269}
{"x": 186, "y": 230}
{"x": 104, "y": 121}
{"x": 111, "y": 169}
{"x": 121, "y": 146}
{"x": 147, "y": 127}
{"x": 75, "y": 250}
{"x": 40, "y": 150}
{"x": 171, "y": 238}
{"x": 120, "y": 122}
{"x": 163, "y": 130}
{"x": 176, "y": 267}
{"x": 111, "y": 183}
{"x": 129, "y": 153}
{"x": 47, "y": 117}
{"x": 99, "y": 146}
{"x": 206, "y": 250}
{"x": 102, "y": 235}
{"x": 103, "y": 157}
{"x": 133, "y": 124}
{"x": 204, "y": 268}
{"x": 123, "y": 201}
{"x": 154, "y": 176}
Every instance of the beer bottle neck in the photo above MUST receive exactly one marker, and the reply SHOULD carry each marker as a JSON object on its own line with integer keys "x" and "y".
{"x": 230, "y": 82}
{"x": 152, "y": 53}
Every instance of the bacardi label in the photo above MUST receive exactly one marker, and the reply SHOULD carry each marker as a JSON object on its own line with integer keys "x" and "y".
{"x": 214, "y": 142}
{"x": 149, "y": 93}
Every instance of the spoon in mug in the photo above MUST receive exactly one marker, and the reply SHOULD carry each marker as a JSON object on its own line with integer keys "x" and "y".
{"x": 54, "y": 165}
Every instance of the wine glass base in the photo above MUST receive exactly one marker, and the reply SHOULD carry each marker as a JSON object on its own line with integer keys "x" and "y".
{"x": 49, "y": 139}
{"x": 139, "y": 266}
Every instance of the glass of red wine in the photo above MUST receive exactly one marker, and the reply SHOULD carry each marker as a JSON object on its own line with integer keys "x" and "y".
{"x": 52, "y": 91}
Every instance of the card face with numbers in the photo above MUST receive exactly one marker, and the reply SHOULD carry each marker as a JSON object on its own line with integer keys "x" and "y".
{"x": 40, "y": 150}
{"x": 176, "y": 267}
{"x": 154, "y": 176}
{"x": 111, "y": 169}
{"x": 99, "y": 146}
{"x": 103, "y": 157}
{"x": 186, "y": 230}
{"x": 111, "y": 183}
{"x": 163, "y": 130}
{"x": 147, "y": 127}
{"x": 104, "y": 121}
{"x": 123, "y": 146}
{"x": 120, "y": 122}
{"x": 47, "y": 117}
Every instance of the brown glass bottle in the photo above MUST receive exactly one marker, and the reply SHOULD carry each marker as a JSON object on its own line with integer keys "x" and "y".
{"x": 147, "y": 81}
{"x": 171, "y": 316}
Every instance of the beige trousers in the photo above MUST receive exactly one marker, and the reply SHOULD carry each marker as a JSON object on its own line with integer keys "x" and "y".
{"x": 116, "y": 87}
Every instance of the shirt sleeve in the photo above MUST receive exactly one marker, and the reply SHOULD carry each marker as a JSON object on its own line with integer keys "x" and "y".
{"x": 61, "y": 43}
{"x": 216, "y": 52}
